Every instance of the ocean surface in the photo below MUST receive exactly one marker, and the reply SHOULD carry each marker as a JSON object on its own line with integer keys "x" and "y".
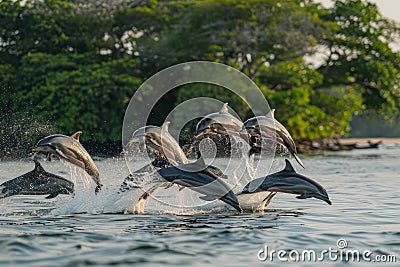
{"x": 92, "y": 230}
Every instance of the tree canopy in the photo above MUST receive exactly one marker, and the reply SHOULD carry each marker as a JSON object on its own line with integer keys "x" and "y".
{"x": 75, "y": 64}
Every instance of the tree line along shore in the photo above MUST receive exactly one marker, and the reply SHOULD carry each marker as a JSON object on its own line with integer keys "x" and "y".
{"x": 74, "y": 65}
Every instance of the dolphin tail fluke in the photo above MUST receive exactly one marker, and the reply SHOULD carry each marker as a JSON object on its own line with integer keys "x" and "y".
{"x": 231, "y": 200}
{"x": 139, "y": 206}
{"x": 265, "y": 202}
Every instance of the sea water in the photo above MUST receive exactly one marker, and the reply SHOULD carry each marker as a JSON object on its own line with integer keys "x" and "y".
{"x": 89, "y": 229}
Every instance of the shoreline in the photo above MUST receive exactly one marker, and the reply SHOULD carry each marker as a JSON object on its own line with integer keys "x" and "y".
{"x": 364, "y": 140}
{"x": 114, "y": 148}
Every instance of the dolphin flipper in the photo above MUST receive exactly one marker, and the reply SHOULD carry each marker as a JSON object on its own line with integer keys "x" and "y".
{"x": 303, "y": 196}
{"x": 52, "y": 195}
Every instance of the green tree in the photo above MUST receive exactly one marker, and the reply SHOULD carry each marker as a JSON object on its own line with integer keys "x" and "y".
{"x": 358, "y": 51}
{"x": 87, "y": 97}
{"x": 78, "y": 62}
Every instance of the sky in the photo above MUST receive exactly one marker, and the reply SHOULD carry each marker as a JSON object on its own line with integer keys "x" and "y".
{"x": 388, "y": 8}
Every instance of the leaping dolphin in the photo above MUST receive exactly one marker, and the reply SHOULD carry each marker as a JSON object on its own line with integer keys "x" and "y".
{"x": 287, "y": 181}
{"x": 169, "y": 154}
{"x": 267, "y": 127}
{"x": 219, "y": 123}
{"x": 70, "y": 149}
{"x": 159, "y": 139}
{"x": 37, "y": 182}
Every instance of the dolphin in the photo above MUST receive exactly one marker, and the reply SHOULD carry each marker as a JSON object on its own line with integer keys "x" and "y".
{"x": 197, "y": 177}
{"x": 37, "y": 182}
{"x": 169, "y": 154}
{"x": 268, "y": 127}
{"x": 70, "y": 149}
{"x": 159, "y": 139}
{"x": 219, "y": 123}
{"x": 288, "y": 181}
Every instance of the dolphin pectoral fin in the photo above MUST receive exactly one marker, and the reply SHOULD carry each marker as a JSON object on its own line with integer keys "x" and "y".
{"x": 208, "y": 198}
{"x": 77, "y": 162}
{"x": 303, "y": 196}
{"x": 61, "y": 154}
{"x": 71, "y": 159}
{"x": 52, "y": 195}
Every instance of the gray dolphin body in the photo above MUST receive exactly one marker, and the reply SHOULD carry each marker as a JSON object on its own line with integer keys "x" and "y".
{"x": 159, "y": 139}
{"x": 197, "y": 177}
{"x": 288, "y": 181}
{"x": 70, "y": 149}
{"x": 269, "y": 128}
{"x": 167, "y": 153}
{"x": 37, "y": 182}
{"x": 219, "y": 123}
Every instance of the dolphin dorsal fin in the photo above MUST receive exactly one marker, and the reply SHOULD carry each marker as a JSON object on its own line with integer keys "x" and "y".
{"x": 38, "y": 166}
{"x": 224, "y": 108}
{"x": 288, "y": 166}
{"x": 165, "y": 126}
{"x": 271, "y": 112}
{"x": 76, "y": 135}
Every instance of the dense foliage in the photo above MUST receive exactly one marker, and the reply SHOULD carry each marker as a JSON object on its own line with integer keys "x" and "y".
{"x": 75, "y": 64}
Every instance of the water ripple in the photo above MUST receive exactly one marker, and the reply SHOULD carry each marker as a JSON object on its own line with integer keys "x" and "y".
{"x": 364, "y": 188}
